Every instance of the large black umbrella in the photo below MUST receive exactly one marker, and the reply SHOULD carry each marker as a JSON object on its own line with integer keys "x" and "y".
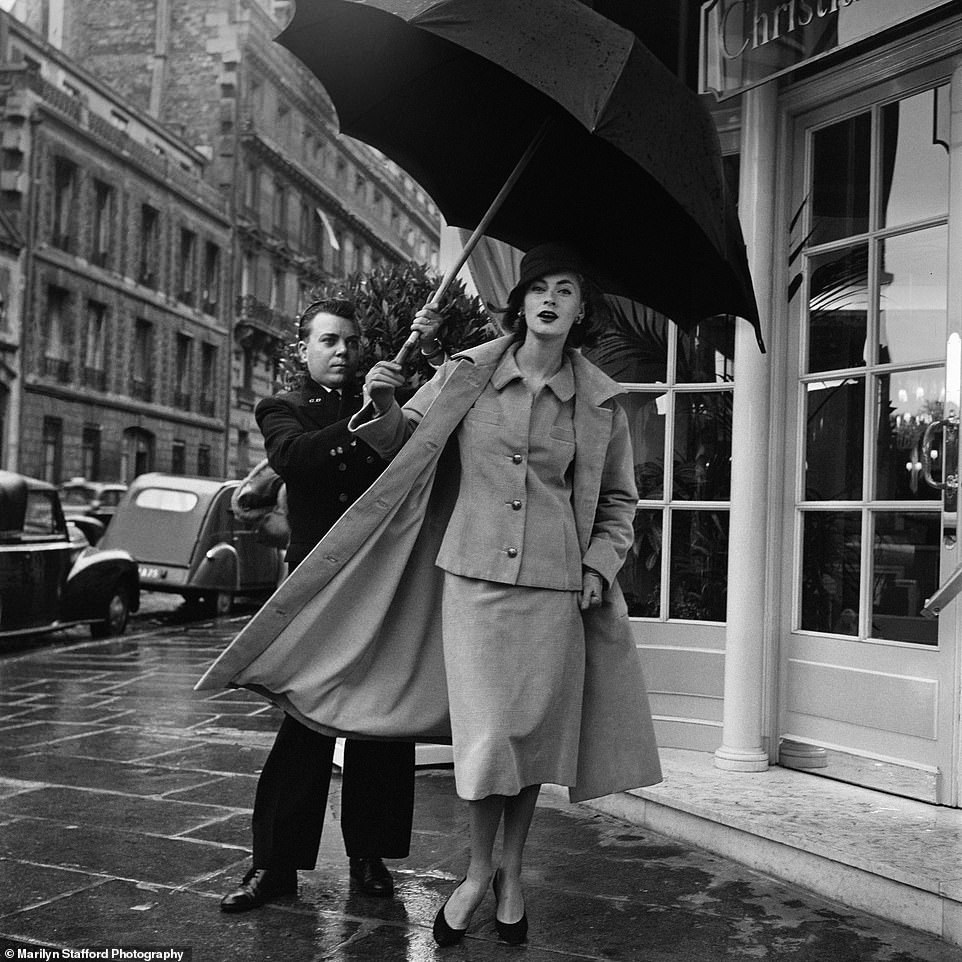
{"x": 620, "y": 158}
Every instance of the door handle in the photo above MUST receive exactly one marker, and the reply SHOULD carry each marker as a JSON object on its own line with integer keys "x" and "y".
{"x": 951, "y": 481}
{"x": 934, "y": 605}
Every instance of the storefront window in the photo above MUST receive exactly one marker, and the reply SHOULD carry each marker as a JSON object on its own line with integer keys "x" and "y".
{"x": 679, "y": 401}
{"x": 841, "y": 175}
{"x": 831, "y": 571}
{"x": 640, "y": 578}
{"x": 907, "y": 403}
{"x": 875, "y": 255}
{"x": 834, "y": 426}
{"x": 838, "y": 309}
{"x": 698, "y": 577}
{"x": 913, "y": 295}
{"x": 703, "y": 446}
{"x": 915, "y": 158}
{"x": 905, "y": 571}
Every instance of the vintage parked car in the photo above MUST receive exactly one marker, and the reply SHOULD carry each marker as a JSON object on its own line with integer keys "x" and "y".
{"x": 50, "y": 577}
{"x": 91, "y": 504}
{"x": 187, "y": 541}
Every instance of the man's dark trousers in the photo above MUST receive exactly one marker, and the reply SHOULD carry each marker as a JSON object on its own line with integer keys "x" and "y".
{"x": 377, "y": 798}
{"x": 309, "y": 445}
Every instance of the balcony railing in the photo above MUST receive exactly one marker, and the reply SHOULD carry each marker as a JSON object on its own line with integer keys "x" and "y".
{"x": 141, "y": 390}
{"x": 55, "y": 368}
{"x": 95, "y": 377}
{"x": 255, "y": 316}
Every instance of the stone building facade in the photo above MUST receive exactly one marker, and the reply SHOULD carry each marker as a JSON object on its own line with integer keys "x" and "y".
{"x": 120, "y": 360}
{"x": 306, "y": 205}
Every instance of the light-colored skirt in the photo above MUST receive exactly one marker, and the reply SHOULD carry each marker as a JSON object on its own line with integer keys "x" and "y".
{"x": 514, "y": 659}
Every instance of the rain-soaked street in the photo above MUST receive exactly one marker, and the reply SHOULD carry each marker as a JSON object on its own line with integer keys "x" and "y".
{"x": 124, "y": 816}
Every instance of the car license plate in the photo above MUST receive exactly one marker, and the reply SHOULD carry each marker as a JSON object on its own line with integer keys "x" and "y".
{"x": 148, "y": 573}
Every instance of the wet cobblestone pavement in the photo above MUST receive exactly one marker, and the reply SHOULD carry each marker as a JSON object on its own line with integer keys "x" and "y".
{"x": 125, "y": 815}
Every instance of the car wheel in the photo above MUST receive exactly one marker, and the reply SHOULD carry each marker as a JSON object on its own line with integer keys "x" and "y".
{"x": 219, "y": 603}
{"x": 116, "y": 613}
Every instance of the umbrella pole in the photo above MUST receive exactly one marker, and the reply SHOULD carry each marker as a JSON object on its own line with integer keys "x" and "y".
{"x": 478, "y": 233}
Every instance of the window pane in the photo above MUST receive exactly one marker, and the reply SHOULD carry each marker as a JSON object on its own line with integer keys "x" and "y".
{"x": 634, "y": 346}
{"x": 913, "y": 296}
{"x": 640, "y": 578}
{"x": 915, "y": 158}
{"x": 703, "y": 446}
{"x": 831, "y": 569}
{"x": 907, "y": 403}
{"x": 646, "y": 422}
{"x": 699, "y": 565}
{"x": 838, "y": 309}
{"x": 707, "y": 354}
{"x": 905, "y": 571}
{"x": 840, "y": 179}
{"x": 833, "y": 440}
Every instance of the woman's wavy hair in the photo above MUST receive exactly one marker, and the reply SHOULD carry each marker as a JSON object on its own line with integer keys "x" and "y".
{"x": 583, "y": 334}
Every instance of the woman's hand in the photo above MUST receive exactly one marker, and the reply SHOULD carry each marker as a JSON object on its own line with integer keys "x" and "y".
{"x": 427, "y": 322}
{"x": 381, "y": 382}
{"x": 592, "y": 586}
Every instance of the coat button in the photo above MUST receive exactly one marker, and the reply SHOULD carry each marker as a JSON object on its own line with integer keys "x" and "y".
{"x": 517, "y": 458}
{"x": 333, "y": 452}
{"x": 512, "y": 552}
{"x": 342, "y": 467}
{"x": 516, "y": 505}
{"x": 370, "y": 459}
{"x": 342, "y": 497}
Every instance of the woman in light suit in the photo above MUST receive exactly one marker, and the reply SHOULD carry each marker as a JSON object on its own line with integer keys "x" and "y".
{"x": 519, "y": 573}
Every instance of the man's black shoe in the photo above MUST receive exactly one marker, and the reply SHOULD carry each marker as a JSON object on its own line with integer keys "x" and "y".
{"x": 371, "y": 877}
{"x": 260, "y": 885}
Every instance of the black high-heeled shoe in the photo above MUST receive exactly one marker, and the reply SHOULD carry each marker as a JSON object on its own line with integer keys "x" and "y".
{"x": 514, "y": 933}
{"x": 444, "y": 933}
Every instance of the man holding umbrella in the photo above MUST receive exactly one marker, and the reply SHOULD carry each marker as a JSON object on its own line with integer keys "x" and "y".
{"x": 326, "y": 470}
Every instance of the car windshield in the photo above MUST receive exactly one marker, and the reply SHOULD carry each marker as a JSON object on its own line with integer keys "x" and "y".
{"x": 164, "y": 499}
{"x": 77, "y": 496}
{"x": 41, "y": 518}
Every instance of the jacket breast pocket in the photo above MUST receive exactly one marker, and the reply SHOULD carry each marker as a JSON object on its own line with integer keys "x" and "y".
{"x": 484, "y": 415}
{"x": 561, "y": 432}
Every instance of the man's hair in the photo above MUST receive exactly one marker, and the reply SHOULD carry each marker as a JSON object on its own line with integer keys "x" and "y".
{"x": 338, "y": 306}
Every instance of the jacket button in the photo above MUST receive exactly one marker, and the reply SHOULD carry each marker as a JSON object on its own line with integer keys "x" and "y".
{"x": 333, "y": 452}
{"x": 342, "y": 467}
{"x": 512, "y": 552}
{"x": 370, "y": 459}
{"x": 342, "y": 497}
{"x": 517, "y": 458}
{"x": 516, "y": 505}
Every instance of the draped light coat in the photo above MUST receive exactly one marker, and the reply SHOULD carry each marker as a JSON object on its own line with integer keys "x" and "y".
{"x": 350, "y": 644}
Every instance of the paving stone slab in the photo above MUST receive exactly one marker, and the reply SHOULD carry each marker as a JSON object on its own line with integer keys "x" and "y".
{"x": 124, "y": 813}
{"x": 128, "y": 855}
{"x": 123, "y": 914}
{"x": 23, "y": 885}
{"x": 217, "y": 757}
{"x": 131, "y": 779}
{"x": 123, "y": 743}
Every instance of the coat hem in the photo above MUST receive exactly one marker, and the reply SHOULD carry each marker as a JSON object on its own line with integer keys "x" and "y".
{"x": 285, "y": 705}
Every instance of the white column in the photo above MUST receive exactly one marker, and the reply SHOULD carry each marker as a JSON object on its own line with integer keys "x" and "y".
{"x": 742, "y": 747}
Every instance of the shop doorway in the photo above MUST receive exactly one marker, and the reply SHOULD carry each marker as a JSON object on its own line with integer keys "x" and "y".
{"x": 868, "y": 684}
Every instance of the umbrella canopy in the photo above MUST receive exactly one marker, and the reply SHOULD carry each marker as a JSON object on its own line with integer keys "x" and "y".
{"x": 629, "y": 169}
